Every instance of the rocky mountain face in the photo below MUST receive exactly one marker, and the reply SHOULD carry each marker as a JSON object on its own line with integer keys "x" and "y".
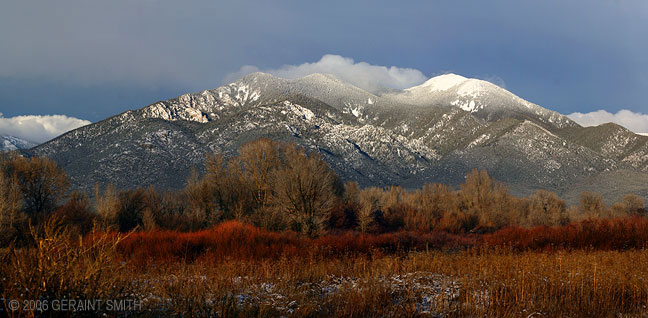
{"x": 9, "y": 143}
{"x": 434, "y": 132}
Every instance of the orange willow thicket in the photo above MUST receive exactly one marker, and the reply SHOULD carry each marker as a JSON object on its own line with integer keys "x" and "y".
{"x": 235, "y": 240}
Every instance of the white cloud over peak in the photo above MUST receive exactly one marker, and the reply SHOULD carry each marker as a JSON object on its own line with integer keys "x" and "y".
{"x": 39, "y": 128}
{"x": 373, "y": 78}
{"x": 637, "y": 122}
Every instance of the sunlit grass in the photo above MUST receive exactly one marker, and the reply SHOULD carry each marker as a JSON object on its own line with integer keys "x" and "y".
{"x": 472, "y": 281}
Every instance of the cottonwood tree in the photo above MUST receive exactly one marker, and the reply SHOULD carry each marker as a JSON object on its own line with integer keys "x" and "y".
{"x": 10, "y": 205}
{"x": 227, "y": 189}
{"x": 369, "y": 200}
{"x": 546, "y": 208}
{"x": 592, "y": 205}
{"x": 259, "y": 160}
{"x": 629, "y": 205}
{"x": 633, "y": 204}
{"x": 42, "y": 184}
{"x": 430, "y": 204}
{"x": 304, "y": 190}
{"x": 256, "y": 167}
{"x": 107, "y": 206}
{"x": 486, "y": 203}
{"x": 201, "y": 206}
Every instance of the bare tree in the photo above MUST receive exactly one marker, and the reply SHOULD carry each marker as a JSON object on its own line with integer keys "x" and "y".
{"x": 228, "y": 190}
{"x": 107, "y": 204}
{"x": 592, "y": 205}
{"x": 430, "y": 204}
{"x": 369, "y": 200}
{"x": 546, "y": 208}
{"x": 41, "y": 182}
{"x": 10, "y": 205}
{"x": 633, "y": 204}
{"x": 259, "y": 160}
{"x": 485, "y": 201}
{"x": 304, "y": 190}
{"x": 200, "y": 202}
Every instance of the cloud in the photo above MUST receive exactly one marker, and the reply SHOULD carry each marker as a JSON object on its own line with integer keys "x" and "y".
{"x": 636, "y": 122}
{"x": 373, "y": 78}
{"x": 494, "y": 79}
{"x": 39, "y": 128}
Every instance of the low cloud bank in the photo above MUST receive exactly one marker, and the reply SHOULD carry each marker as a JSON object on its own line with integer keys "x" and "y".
{"x": 637, "y": 122}
{"x": 38, "y": 128}
{"x": 373, "y": 78}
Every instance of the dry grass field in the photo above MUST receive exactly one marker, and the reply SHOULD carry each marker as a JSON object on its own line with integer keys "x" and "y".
{"x": 297, "y": 277}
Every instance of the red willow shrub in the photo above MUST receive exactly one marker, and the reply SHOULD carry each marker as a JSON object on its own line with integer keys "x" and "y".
{"x": 235, "y": 240}
{"x": 600, "y": 234}
{"x": 354, "y": 242}
{"x": 227, "y": 240}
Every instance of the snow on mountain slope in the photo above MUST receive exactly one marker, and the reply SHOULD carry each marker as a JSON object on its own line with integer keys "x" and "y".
{"x": 613, "y": 141}
{"x": 435, "y": 132}
{"x": 8, "y": 143}
{"x": 261, "y": 88}
{"x": 439, "y": 83}
{"x": 481, "y": 98}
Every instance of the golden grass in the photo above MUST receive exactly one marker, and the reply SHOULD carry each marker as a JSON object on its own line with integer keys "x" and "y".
{"x": 483, "y": 283}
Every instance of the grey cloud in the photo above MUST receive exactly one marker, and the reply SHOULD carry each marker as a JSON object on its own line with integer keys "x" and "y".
{"x": 591, "y": 53}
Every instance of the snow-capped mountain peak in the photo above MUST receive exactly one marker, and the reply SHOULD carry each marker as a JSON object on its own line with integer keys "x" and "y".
{"x": 8, "y": 143}
{"x": 481, "y": 98}
{"x": 440, "y": 83}
{"x": 457, "y": 85}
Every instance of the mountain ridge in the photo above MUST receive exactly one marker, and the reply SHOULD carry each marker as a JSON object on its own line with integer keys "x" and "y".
{"x": 379, "y": 140}
{"x": 9, "y": 143}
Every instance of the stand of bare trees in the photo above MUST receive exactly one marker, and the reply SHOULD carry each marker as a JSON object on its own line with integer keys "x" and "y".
{"x": 278, "y": 186}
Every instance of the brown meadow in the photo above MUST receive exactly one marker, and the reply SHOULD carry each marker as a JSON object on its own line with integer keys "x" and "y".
{"x": 237, "y": 270}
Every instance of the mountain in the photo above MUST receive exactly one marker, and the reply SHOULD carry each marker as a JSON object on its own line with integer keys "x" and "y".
{"x": 8, "y": 143}
{"x": 434, "y": 132}
{"x": 481, "y": 98}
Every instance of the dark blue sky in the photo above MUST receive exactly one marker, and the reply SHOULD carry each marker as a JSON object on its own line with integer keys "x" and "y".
{"x": 92, "y": 59}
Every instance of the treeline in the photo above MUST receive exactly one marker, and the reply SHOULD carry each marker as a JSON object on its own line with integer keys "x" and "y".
{"x": 278, "y": 186}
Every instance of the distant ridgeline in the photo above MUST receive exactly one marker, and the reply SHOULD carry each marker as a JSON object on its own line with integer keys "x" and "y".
{"x": 9, "y": 143}
{"x": 435, "y": 132}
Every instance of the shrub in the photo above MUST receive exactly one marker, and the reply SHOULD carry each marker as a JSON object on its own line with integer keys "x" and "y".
{"x": 41, "y": 183}
{"x": 602, "y": 234}
{"x": 61, "y": 267}
{"x": 76, "y": 215}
